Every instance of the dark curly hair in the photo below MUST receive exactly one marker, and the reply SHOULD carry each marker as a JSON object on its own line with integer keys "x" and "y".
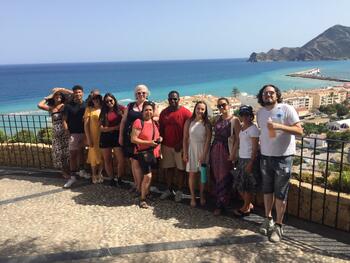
{"x": 261, "y": 91}
{"x": 105, "y": 108}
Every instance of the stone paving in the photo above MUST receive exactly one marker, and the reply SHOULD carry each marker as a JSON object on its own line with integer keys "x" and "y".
{"x": 41, "y": 222}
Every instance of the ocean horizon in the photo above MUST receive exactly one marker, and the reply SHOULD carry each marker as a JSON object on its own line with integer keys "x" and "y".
{"x": 23, "y": 86}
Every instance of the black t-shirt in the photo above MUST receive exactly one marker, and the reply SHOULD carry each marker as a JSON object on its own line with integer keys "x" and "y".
{"x": 74, "y": 113}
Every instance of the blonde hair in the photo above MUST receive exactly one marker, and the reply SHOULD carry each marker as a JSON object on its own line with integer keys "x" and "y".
{"x": 139, "y": 87}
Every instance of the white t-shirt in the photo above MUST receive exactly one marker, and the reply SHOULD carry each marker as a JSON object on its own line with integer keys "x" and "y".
{"x": 245, "y": 141}
{"x": 284, "y": 143}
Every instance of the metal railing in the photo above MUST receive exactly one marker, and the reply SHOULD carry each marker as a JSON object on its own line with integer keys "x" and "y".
{"x": 320, "y": 184}
{"x": 25, "y": 140}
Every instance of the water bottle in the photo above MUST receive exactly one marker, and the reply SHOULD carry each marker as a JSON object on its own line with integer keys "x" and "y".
{"x": 204, "y": 173}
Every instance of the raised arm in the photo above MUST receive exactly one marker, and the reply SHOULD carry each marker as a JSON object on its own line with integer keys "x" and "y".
{"x": 43, "y": 106}
{"x": 63, "y": 90}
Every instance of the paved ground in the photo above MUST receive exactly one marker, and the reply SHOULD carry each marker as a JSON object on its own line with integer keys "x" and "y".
{"x": 41, "y": 222}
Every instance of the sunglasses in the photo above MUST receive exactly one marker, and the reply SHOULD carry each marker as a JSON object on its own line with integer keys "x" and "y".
{"x": 174, "y": 99}
{"x": 270, "y": 93}
{"x": 109, "y": 101}
{"x": 141, "y": 93}
{"x": 221, "y": 106}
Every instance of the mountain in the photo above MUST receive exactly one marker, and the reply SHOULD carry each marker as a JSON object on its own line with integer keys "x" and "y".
{"x": 332, "y": 44}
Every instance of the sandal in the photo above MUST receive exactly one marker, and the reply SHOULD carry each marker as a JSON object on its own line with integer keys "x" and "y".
{"x": 239, "y": 213}
{"x": 143, "y": 204}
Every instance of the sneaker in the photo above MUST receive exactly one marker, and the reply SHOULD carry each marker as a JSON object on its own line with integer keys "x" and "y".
{"x": 276, "y": 234}
{"x": 84, "y": 174}
{"x": 266, "y": 227}
{"x": 165, "y": 194}
{"x": 178, "y": 196}
{"x": 71, "y": 181}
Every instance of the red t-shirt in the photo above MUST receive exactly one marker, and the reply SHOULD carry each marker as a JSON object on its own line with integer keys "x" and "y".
{"x": 172, "y": 125}
{"x": 113, "y": 118}
{"x": 146, "y": 134}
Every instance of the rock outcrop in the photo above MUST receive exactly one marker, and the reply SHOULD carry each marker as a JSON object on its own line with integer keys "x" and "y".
{"x": 333, "y": 44}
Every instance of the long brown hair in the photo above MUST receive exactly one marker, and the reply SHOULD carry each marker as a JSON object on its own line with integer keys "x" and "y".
{"x": 205, "y": 115}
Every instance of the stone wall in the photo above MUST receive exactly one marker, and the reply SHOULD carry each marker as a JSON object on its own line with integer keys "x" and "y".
{"x": 25, "y": 155}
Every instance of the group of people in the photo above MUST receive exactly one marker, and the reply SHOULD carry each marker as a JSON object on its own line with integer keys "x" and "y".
{"x": 241, "y": 154}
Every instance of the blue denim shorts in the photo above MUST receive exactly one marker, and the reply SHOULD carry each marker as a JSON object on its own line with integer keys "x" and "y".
{"x": 276, "y": 172}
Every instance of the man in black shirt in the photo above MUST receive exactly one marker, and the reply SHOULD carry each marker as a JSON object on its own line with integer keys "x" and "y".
{"x": 73, "y": 122}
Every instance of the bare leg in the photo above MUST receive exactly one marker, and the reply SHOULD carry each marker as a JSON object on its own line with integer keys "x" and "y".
{"x": 94, "y": 174}
{"x": 180, "y": 175}
{"x": 280, "y": 209}
{"x": 146, "y": 182}
{"x": 247, "y": 197}
{"x": 169, "y": 175}
{"x": 137, "y": 173}
{"x": 74, "y": 161}
{"x": 268, "y": 203}
{"x": 107, "y": 157}
{"x": 119, "y": 156}
{"x": 191, "y": 183}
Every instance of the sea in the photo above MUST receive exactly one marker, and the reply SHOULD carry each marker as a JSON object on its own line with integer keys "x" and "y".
{"x": 23, "y": 86}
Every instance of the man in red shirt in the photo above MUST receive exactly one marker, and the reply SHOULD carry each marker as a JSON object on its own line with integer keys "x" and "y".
{"x": 171, "y": 121}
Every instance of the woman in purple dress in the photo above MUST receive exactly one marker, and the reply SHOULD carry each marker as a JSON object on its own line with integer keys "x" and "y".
{"x": 220, "y": 156}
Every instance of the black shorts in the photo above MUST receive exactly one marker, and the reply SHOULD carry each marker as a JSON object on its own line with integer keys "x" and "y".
{"x": 109, "y": 139}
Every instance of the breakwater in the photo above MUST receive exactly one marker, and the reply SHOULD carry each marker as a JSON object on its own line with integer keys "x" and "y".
{"x": 315, "y": 73}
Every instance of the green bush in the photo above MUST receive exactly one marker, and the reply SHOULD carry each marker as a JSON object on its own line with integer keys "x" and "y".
{"x": 23, "y": 136}
{"x": 334, "y": 182}
{"x": 45, "y": 135}
{"x": 2, "y": 136}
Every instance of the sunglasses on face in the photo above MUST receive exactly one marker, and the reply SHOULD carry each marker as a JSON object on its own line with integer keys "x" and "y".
{"x": 269, "y": 93}
{"x": 174, "y": 99}
{"x": 221, "y": 106}
{"x": 141, "y": 93}
{"x": 109, "y": 101}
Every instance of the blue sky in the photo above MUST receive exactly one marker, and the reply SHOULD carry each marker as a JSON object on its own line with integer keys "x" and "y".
{"x": 41, "y": 31}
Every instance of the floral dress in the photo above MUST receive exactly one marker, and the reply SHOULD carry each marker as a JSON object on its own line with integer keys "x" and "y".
{"x": 60, "y": 142}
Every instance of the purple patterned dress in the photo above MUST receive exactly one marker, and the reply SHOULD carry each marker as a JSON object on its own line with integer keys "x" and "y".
{"x": 219, "y": 164}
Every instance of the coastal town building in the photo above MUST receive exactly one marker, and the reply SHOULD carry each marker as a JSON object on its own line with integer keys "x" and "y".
{"x": 328, "y": 96}
{"x": 299, "y": 100}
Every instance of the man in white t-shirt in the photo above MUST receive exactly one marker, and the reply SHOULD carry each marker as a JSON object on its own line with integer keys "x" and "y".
{"x": 278, "y": 123}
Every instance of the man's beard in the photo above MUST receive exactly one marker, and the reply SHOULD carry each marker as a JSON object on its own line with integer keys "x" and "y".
{"x": 268, "y": 103}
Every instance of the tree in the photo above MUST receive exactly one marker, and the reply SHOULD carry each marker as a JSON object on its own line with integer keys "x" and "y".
{"x": 235, "y": 92}
{"x": 329, "y": 109}
{"x": 310, "y": 128}
{"x": 341, "y": 110}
